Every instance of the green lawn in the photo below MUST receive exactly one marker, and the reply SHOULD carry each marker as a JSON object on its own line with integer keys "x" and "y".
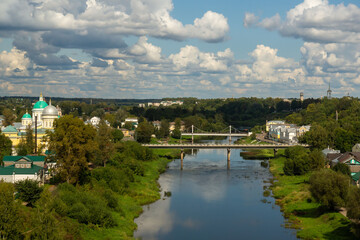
{"x": 301, "y": 210}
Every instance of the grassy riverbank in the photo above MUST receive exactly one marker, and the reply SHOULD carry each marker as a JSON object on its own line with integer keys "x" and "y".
{"x": 303, "y": 213}
{"x": 144, "y": 190}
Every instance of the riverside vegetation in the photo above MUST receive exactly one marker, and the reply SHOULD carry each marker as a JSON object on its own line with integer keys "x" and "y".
{"x": 304, "y": 210}
{"x": 86, "y": 200}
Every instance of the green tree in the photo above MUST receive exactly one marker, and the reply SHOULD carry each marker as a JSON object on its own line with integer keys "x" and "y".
{"x": 164, "y": 130}
{"x": 316, "y": 160}
{"x": 330, "y": 188}
{"x": 74, "y": 146}
{"x": 9, "y": 116}
{"x": 21, "y": 148}
{"x": 30, "y": 141}
{"x": 9, "y": 213}
{"x": 105, "y": 143}
{"x": 342, "y": 168}
{"x": 28, "y": 191}
{"x": 317, "y": 137}
{"x": 44, "y": 219}
{"x": 5, "y": 147}
{"x": 353, "y": 203}
{"x": 128, "y": 126}
{"x": 117, "y": 135}
{"x": 143, "y": 132}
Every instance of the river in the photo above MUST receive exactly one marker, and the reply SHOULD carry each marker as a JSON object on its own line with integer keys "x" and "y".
{"x": 210, "y": 202}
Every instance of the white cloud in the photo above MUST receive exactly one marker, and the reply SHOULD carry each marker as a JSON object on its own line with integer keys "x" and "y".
{"x": 250, "y": 19}
{"x": 136, "y": 17}
{"x": 14, "y": 64}
{"x": 317, "y": 21}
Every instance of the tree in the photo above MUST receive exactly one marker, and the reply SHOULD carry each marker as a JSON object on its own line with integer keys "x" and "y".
{"x": 74, "y": 146}
{"x": 5, "y": 147}
{"x": 164, "y": 130}
{"x": 21, "y": 148}
{"x": 103, "y": 139}
{"x": 28, "y": 191}
{"x": 353, "y": 203}
{"x": 143, "y": 132}
{"x": 316, "y": 160}
{"x": 342, "y": 168}
{"x": 9, "y": 117}
{"x": 30, "y": 144}
{"x": 9, "y": 209}
{"x": 128, "y": 126}
{"x": 330, "y": 188}
{"x": 117, "y": 135}
{"x": 317, "y": 137}
{"x": 44, "y": 219}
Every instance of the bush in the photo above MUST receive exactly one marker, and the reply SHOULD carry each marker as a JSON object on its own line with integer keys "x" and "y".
{"x": 329, "y": 188}
{"x": 342, "y": 168}
{"x": 28, "y": 191}
{"x": 353, "y": 203}
{"x": 85, "y": 205}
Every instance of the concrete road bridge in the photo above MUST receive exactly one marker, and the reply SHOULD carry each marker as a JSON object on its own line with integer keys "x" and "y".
{"x": 183, "y": 146}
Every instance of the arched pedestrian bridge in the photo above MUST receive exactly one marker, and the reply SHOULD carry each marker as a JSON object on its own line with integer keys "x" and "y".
{"x": 221, "y": 146}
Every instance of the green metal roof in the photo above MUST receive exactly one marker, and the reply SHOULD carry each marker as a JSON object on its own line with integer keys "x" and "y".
{"x": 9, "y": 129}
{"x": 40, "y": 104}
{"x": 356, "y": 176}
{"x": 31, "y": 158}
{"x": 26, "y": 115}
{"x": 10, "y": 170}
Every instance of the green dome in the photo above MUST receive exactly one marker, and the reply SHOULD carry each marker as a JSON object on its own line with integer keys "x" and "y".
{"x": 26, "y": 115}
{"x": 40, "y": 104}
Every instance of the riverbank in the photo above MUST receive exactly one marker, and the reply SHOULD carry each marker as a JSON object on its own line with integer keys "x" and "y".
{"x": 144, "y": 190}
{"x": 300, "y": 209}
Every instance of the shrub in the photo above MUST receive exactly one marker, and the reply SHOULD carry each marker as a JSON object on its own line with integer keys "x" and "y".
{"x": 329, "y": 188}
{"x": 342, "y": 168}
{"x": 28, "y": 191}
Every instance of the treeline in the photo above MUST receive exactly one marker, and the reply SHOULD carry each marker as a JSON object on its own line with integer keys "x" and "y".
{"x": 242, "y": 112}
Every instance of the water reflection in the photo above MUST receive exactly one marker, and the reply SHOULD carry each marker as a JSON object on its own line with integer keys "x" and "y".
{"x": 210, "y": 202}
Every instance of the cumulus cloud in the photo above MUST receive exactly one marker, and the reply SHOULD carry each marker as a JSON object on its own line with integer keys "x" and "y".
{"x": 14, "y": 64}
{"x": 191, "y": 57}
{"x": 101, "y": 18}
{"x": 315, "y": 21}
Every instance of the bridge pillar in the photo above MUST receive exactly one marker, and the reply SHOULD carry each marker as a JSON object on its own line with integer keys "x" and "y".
{"x": 228, "y": 158}
{"x": 192, "y": 134}
{"x": 230, "y": 134}
{"x": 275, "y": 151}
{"x": 182, "y": 159}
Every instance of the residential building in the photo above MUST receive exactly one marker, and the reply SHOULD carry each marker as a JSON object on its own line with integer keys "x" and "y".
{"x": 17, "y": 168}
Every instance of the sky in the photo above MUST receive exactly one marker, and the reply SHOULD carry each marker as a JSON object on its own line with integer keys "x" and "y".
{"x": 179, "y": 48}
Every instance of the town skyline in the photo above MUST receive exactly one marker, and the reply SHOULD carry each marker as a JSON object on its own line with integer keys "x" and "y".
{"x": 162, "y": 48}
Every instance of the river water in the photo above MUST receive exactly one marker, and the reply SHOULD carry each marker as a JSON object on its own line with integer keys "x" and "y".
{"x": 210, "y": 202}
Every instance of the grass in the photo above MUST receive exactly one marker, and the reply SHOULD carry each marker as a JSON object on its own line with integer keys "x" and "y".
{"x": 258, "y": 154}
{"x": 303, "y": 213}
{"x": 143, "y": 190}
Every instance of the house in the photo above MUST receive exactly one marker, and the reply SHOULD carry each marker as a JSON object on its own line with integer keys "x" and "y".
{"x": 273, "y": 122}
{"x": 352, "y": 159}
{"x": 133, "y": 120}
{"x": 17, "y": 168}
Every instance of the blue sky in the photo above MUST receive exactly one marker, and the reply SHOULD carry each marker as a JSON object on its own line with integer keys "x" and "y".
{"x": 179, "y": 48}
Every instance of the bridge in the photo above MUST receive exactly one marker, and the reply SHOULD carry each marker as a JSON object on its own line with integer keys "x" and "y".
{"x": 227, "y": 132}
{"x": 221, "y": 146}
{"x": 212, "y": 146}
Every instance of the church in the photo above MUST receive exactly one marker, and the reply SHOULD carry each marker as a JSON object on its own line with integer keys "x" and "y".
{"x": 43, "y": 115}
